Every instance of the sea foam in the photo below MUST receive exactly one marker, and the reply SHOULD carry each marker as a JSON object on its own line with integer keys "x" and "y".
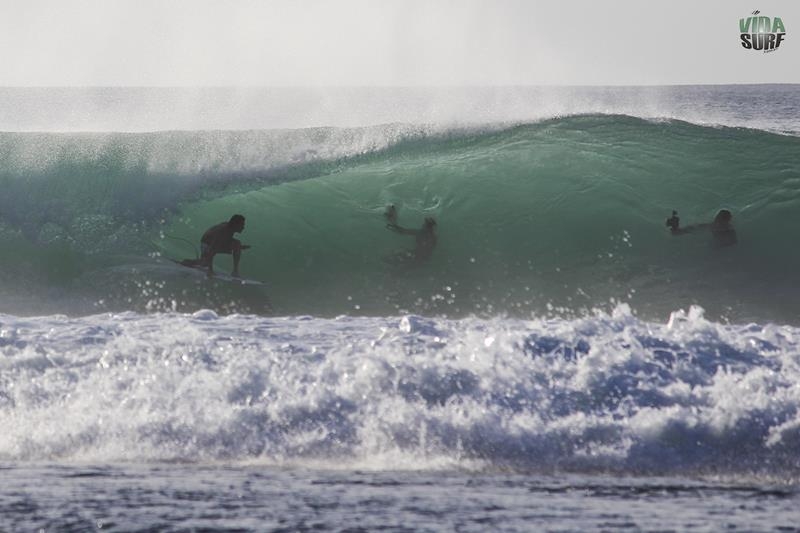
{"x": 608, "y": 392}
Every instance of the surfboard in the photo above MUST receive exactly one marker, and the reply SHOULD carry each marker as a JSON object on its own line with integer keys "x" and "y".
{"x": 220, "y": 276}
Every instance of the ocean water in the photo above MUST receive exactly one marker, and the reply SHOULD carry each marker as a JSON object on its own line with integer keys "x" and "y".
{"x": 562, "y": 362}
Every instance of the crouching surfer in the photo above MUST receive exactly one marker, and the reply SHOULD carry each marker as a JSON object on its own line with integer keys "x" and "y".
{"x": 219, "y": 240}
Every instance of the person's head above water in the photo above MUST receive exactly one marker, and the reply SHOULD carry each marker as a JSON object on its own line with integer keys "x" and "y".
{"x": 237, "y": 223}
{"x": 430, "y": 222}
{"x": 723, "y": 217}
{"x": 722, "y": 229}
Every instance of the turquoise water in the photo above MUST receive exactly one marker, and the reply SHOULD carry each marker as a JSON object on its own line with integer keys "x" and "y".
{"x": 559, "y": 216}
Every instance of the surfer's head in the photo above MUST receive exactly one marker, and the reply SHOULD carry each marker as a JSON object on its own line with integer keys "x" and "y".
{"x": 430, "y": 222}
{"x": 723, "y": 217}
{"x": 237, "y": 223}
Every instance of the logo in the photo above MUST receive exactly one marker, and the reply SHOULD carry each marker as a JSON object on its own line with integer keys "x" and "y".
{"x": 761, "y": 33}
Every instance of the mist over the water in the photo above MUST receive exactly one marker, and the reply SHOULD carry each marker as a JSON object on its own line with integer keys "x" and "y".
{"x": 157, "y": 109}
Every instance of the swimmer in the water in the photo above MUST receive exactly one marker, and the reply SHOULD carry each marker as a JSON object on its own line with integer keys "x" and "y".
{"x": 674, "y": 223}
{"x": 721, "y": 228}
{"x": 425, "y": 240}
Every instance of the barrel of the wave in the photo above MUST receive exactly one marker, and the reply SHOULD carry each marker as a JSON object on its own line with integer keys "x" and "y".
{"x": 562, "y": 215}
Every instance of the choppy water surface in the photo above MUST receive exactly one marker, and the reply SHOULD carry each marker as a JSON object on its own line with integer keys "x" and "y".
{"x": 255, "y": 498}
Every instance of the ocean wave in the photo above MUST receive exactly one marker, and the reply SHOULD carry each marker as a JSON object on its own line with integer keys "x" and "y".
{"x": 562, "y": 215}
{"x": 609, "y": 392}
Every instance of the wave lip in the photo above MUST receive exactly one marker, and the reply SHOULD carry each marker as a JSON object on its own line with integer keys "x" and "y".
{"x": 605, "y": 393}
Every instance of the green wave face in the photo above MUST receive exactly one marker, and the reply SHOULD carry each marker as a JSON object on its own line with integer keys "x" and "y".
{"x": 564, "y": 215}
{"x": 556, "y": 217}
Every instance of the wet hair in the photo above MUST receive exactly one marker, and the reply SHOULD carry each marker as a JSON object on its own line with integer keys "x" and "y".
{"x": 430, "y": 221}
{"x": 236, "y": 219}
{"x": 723, "y": 216}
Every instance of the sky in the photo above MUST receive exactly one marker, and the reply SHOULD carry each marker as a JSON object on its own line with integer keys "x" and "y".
{"x": 203, "y": 43}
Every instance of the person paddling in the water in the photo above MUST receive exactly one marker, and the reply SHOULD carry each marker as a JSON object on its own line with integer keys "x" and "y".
{"x": 219, "y": 240}
{"x": 674, "y": 223}
{"x": 721, "y": 228}
{"x": 425, "y": 237}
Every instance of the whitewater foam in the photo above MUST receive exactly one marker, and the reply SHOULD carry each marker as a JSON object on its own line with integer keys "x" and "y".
{"x": 602, "y": 393}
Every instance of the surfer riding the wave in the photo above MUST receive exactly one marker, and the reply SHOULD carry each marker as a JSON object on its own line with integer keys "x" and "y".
{"x": 219, "y": 240}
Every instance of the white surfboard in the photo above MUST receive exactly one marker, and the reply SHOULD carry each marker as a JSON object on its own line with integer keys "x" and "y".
{"x": 218, "y": 275}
